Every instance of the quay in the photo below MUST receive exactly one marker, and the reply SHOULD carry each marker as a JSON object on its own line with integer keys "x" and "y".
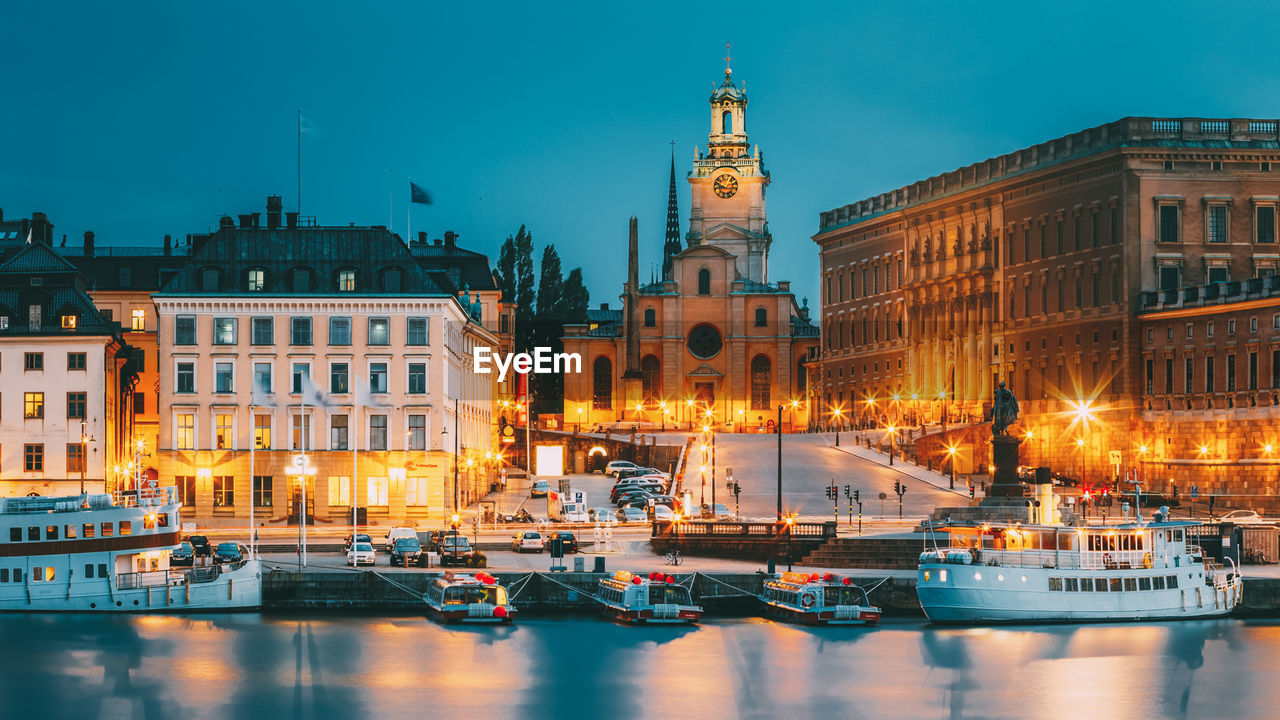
{"x": 723, "y": 594}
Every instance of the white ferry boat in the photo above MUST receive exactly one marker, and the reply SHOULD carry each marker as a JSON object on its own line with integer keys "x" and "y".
{"x": 818, "y": 600}
{"x": 1009, "y": 572}
{"x": 110, "y": 553}
{"x": 468, "y": 598}
{"x": 653, "y": 599}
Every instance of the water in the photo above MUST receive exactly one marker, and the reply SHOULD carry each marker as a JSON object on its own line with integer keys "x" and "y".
{"x": 279, "y": 667}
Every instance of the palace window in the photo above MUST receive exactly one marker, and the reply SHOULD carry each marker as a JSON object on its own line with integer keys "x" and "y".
{"x": 1264, "y": 224}
{"x": 138, "y": 319}
{"x": 184, "y": 330}
{"x": 760, "y": 382}
{"x": 704, "y": 282}
{"x": 76, "y": 402}
{"x": 78, "y": 361}
{"x": 762, "y": 317}
{"x": 602, "y": 383}
{"x": 338, "y": 378}
{"x": 416, "y": 330}
{"x": 262, "y": 432}
{"x": 651, "y": 370}
{"x": 417, "y": 432}
{"x": 300, "y": 331}
{"x": 377, "y": 432}
{"x": 75, "y": 458}
{"x": 339, "y": 331}
{"x": 1170, "y": 231}
{"x": 1216, "y": 231}
{"x": 224, "y": 379}
{"x": 224, "y": 491}
{"x": 339, "y": 490}
{"x": 378, "y": 377}
{"x": 262, "y": 377}
{"x": 33, "y": 457}
{"x": 650, "y": 317}
{"x": 262, "y": 494}
{"x": 257, "y": 280}
{"x": 379, "y": 331}
{"x": 726, "y": 122}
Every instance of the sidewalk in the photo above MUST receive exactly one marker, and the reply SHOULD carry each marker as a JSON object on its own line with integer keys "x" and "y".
{"x": 911, "y": 470}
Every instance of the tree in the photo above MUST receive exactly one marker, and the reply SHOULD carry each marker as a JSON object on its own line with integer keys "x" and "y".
{"x": 524, "y": 289}
{"x": 550, "y": 285}
{"x": 574, "y": 299}
{"x": 548, "y": 326}
{"x": 507, "y": 269}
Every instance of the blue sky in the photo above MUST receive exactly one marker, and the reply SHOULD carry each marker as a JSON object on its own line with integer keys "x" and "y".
{"x": 141, "y": 119}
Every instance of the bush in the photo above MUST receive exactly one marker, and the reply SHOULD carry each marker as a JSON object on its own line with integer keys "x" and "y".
{"x": 478, "y": 560}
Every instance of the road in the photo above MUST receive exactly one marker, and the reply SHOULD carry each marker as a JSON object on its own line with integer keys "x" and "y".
{"x": 808, "y": 464}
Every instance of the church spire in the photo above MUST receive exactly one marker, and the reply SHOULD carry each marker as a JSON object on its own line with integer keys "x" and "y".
{"x": 671, "y": 247}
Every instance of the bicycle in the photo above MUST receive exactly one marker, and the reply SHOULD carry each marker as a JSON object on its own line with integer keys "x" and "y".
{"x": 672, "y": 557}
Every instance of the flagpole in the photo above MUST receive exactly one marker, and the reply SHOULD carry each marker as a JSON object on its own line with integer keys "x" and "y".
{"x": 253, "y": 442}
{"x": 408, "y": 215}
{"x": 391, "y": 206}
{"x": 355, "y": 478}
{"x": 299, "y": 163}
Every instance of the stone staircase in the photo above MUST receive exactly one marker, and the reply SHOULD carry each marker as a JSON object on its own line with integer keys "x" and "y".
{"x": 882, "y": 553}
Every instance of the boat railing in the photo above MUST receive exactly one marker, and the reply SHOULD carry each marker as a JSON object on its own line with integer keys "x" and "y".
{"x": 146, "y": 497}
{"x": 160, "y": 578}
{"x": 1029, "y": 558}
{"x": 1114, "y": 559}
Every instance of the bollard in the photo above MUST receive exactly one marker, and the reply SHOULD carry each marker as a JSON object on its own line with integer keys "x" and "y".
{"x": 579, "y": 563}
{"x": 599, "y": 564}
{"x": 772, "y": 566}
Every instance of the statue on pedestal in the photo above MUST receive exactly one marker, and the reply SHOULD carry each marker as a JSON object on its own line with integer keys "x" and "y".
{"x": 1004, "y": 411}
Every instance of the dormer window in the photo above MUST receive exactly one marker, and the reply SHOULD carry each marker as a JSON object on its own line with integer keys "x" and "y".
{"x": 391, "y": 280}
{"x": 210, "y": 279}
{"x": 33, "y": 317}
{"x": 256, "y": 280}
{"x": 125, "y": 276}
{"x": 347, "y": 280}
{"x": 69, "y": 322}
{"x": 301, "y": 279}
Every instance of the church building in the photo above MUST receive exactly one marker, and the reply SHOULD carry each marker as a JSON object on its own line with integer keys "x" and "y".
{"x": 713, "y": 337}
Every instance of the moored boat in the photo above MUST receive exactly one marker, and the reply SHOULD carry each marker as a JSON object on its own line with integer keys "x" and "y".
{"x": 816, "y": 599}
{"x": 1011, "y": 572}
{"x": 653, "y": 599}
{"x": 110, "y": 553}
{"x": 468, "y": 598}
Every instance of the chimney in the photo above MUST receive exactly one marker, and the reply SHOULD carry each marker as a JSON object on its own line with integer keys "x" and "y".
{"x": 274, "y": 207}
{"x": 41, "y": 228}
{"x": 604, "y": 306}
{"x": 450, "y": 239}
{"x": 224, "y": 222}
{"x": 1, "y": 214}
{"x": 88, "y": 243}
{"x": 422, "y": 238}
{"x": 168, "y": 245}
{"x": 292, "y": 219}
{"x": 255, "y": 219}
{"x": 246, "y": 220}
{"x": 438, "y": 242}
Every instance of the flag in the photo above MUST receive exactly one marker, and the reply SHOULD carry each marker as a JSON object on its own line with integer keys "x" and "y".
{"x": 29, "y": 233}
{"x": 418, "y": 195}
{"x": 312, "y": 395}
{"x": 304, "y": 125}
{"x": 364, "y": 396}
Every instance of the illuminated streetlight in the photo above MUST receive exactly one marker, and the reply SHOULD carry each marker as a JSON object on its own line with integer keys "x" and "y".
{"x": 951, "y": 456}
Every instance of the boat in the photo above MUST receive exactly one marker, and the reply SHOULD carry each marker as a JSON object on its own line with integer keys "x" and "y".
{"x": 468, "y": 598}
{"x": 1014, "y": 572}
{"x": 653, "y": 599}
{"x": 815, "y": 599}
{"x": 104, "y": 552}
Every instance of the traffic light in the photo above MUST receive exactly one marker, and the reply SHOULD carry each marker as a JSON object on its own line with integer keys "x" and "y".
{"x": 857, "y": 496}
{"x": 736, "y": 488}
{"x": 828, "y": 492}
{"x": 971, "y": 491}
{"x": 846, "y": 491}
{"x": 896, "y": 486}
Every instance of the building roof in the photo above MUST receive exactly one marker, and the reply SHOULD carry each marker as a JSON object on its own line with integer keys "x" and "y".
{"x": 119, "y": 268}
{"x": 1171, "y": 133}
{"x": 305, "y": 260}
{"x": 464, "y": 269}
{"x": 38, "y": 276}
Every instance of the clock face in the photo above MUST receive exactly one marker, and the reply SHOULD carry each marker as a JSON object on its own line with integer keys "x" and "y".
{"x": 726, "y": 186}
{"x": 704, "y": 342}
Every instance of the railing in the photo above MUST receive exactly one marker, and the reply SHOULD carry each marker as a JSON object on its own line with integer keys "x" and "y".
{"x": 146, "y": 497}
{"x": 1028, "y": 558}
{"x": 701, "y": 528}
{"x": 1166, "y": 126}
{"x": 160, "y": 578}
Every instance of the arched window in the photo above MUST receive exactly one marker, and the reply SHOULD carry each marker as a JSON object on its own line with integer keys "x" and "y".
{"x": 762, "y": 317}
{"x": 726, "y": 121}
{"x": 602, "y": 384}
{"x": 704, "y": 282}
{"x": 651, "y": 369}
{"x": 650, "y": 317}
{"x": 760, "y": 380}
{"x": 346, "y": 280}
{"x": 255, "y": 280}
{"x": 802, "y": 378}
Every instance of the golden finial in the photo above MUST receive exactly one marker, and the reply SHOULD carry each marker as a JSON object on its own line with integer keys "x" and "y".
{"x": 728, "y": 58}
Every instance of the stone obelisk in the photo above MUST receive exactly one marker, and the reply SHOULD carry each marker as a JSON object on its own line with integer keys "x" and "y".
{"x": 632, "y": 378}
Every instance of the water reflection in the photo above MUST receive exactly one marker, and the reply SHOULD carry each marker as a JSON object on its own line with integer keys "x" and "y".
{"x": 354, "y": 667}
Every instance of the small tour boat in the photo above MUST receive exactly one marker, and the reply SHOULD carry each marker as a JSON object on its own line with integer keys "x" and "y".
{"x": 1013, "y": 572}
{"x": 650, "y": 599}
{"x": 102, "y": 552}
{"x": 818, "y": 600}
{"x": 468, "y": 598}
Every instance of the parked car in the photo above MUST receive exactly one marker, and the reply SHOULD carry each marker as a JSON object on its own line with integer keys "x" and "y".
{"x": 362, "y": 537}
{"x": 670, "y": 501}
{"x": 227, "y": 552}
{"x": 1242, "y": 517}
{"x": 601, "y": 514}
{"x": 632, "y": 514}
{"x": 716, "y": 512}
{"x": 527, "y": 540}
{"x": 183, "y": 556}
{"x": 540, "y": 489}
{"x": 662, "y": 513}
{"x": 406, "y": 551}
{"x": 456, "y": 550}
{"x": 397, "y": 533}
{"x": 642, "y": 482}
{"x": 434, "y": 539}
{"x": 361, "y": 553}
{"x": 569, "y": 542}
{"x": 637, "y": 472}
{"x": 1153, "y": 500}
{"x": 641, "y": 498}
{"x": 201, "y": 545}
{"x": 621, "y": 490}
{"x": 613, "y": 467}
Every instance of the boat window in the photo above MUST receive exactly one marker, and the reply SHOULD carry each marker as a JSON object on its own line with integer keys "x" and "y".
{"x": 1099, "y": 584}
{"x": 1130, "y": 584}
{"x": 1144, "y": 583}
{"x": 126, "y": 527}
{"x": 17, "y": 574}
{"x": 1171, "y": 581}
{"x": 51, "y": 532}
{"x": 148, "y": 522}
{"x": 48, "y": 573}
{"x": 37, "y": 574}
{"x": 4, "y": 574}
{"x": 1066, "y": 541}
{"x": 69, "y": 531}
{"x": 163, "y": 519}
{"x": 1158, "y": 582}
{"x": 88, "y": 570}
{"x": 1177, "y": 535}
{"x": 1055, "y": 584}
{"x": 1072, "y": 585}
{"x": 500, "y": 596}
{"x": 668, "y": 595}
{"x": 15, "y": 534}
{"x": 1115, "y": 584}
{"x": 926, "y": 576}
{"x": 88, "y": 530}
{"x": 108, "y": 529}
{"x": 33, "y": 533}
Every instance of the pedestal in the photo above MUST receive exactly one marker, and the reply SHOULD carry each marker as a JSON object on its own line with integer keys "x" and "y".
{"x": 1004, "y": 467}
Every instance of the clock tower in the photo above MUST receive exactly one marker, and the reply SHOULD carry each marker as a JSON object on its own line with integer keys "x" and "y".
{"x": 728, "y": 183}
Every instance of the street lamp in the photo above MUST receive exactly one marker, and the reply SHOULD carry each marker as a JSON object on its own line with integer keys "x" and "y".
{"x": 942, "y": 395}
{"x": 662, "y": 405}
{"x": 453, "y": 522}
{"x": 791, "y": 519}
{"x": 951, "y": 456}
{"x": 835, "y": 416}
{"x": 302, "y": 469}
{"x": 1080, "y": 445}
{"x": 578, "y": 428}
{"x": 891, "y": 430}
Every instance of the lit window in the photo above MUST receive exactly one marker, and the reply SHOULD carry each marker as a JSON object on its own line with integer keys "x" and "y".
{"x": 185, "y": 437}
{"x": 33, "y": 405}
{"x": 346, "y": 281}
{"x": 139, "y": 317}
{"x": 222, "y": 432}
{"x": 257, "y": 280}
{"x": 68, "y": 322}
